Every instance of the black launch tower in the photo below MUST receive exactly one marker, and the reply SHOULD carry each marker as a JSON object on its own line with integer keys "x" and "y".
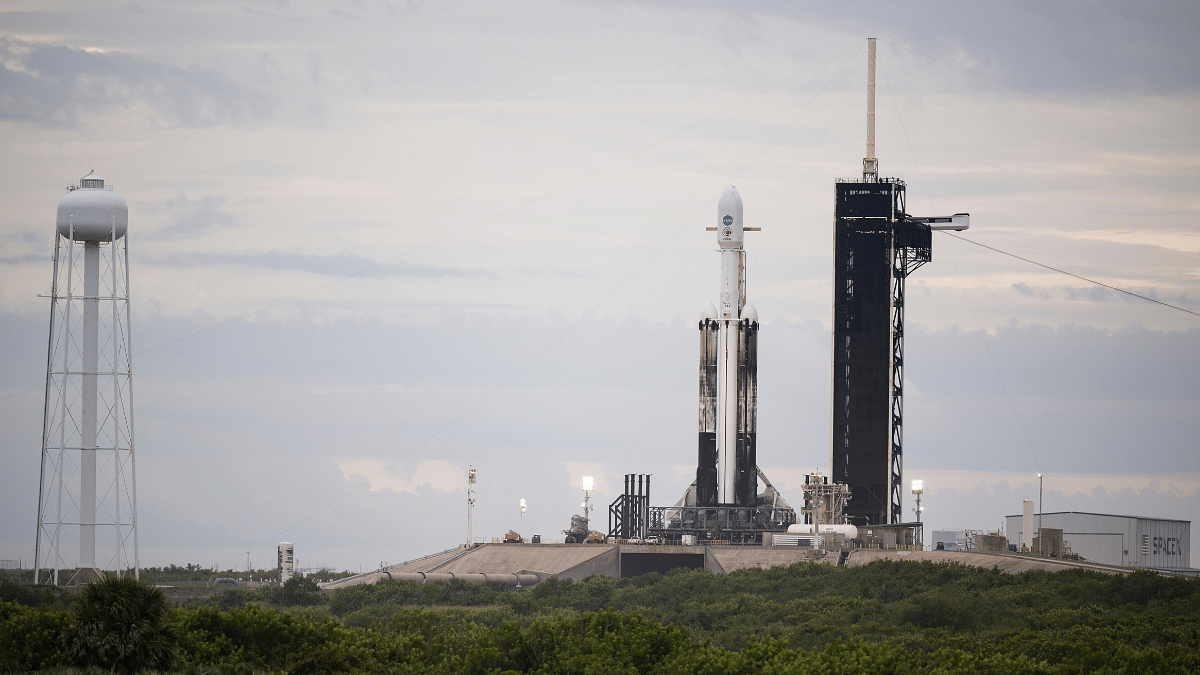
{"x": 876, "y": 245}
{"x": 875, "y": 248}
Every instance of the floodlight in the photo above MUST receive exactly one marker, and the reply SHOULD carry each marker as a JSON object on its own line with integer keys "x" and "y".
{"x": 588, "y": 484}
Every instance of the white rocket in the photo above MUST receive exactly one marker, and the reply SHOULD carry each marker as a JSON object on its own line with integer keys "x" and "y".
{"x": 727, "y": 472}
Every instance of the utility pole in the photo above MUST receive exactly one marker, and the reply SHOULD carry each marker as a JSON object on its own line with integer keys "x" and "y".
{"x": 1041, "y": 537}
{"x": 470, "y": 503}
{"x": 918, "y": 486}
{"x": 588, "y": 484}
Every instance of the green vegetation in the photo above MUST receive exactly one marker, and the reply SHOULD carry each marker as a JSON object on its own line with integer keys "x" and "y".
{"x": 187, "y": 576}
{"x": 120, "y": 625}
{"x": 193, "y": 573}
{"x": 886, "y": 617}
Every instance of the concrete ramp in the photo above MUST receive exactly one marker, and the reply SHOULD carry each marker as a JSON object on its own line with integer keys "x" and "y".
{"x": 1012, "y": 564}
{"x": 525, "y": 564}
{"x": 733, "y": 558}
{"x": 427, "y": 563}
{"x": 607, "y": 563}
{"x": 423, "y": 564}
{"x": 571, "y": 560}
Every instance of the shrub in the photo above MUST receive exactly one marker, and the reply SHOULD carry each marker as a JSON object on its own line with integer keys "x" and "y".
{"x": 121, "y": 626}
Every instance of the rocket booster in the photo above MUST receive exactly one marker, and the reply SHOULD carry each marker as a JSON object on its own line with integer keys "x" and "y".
{"x": 727, "y": 470}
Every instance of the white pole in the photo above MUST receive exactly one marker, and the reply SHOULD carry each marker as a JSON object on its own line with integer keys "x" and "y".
{"x": 129, "y": 370}
{"x": 470, "y": 504}
{"x": 116, "y": 401}
{"x": 870, "y": 163}
{"x": 89, "y": 399}
{"x": 870, "y": 98}
{"x": 62, "y": 419}
{"x": 37, "y": 544}
{"x": 1041, "y": 539}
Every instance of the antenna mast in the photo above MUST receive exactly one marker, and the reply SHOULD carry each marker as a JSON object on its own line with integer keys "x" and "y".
{"x": 870, "y": 164}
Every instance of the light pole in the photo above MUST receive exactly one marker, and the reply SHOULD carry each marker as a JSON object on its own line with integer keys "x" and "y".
{"x": 1040, "y": 537}
{"x": 918, "y": 486}
{"x": 588, "y": 484}
{"x": 470, "y": 503}
{"x": 522, "y": 521}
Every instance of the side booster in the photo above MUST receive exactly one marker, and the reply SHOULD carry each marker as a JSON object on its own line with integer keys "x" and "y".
{"x": 727, "y": 474}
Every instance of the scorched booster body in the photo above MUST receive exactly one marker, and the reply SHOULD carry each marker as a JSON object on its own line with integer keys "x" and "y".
{"x": 727, "y": 471}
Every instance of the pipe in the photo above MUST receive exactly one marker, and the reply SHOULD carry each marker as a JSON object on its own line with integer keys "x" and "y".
{"x": 517, "y": 580}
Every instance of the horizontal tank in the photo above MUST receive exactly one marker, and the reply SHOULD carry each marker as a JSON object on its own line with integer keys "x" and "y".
{"x": 850, "y": 531}
{"x": 92, "y": 212}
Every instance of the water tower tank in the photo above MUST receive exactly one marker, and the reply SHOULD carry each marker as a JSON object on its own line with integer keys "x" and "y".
{"x": 92, "y": 212}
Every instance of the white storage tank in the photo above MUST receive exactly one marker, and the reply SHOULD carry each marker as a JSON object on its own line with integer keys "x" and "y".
{"x": 287, "y": 555}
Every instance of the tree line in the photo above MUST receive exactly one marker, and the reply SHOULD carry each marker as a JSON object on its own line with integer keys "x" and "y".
{"x": 885, "y": 617}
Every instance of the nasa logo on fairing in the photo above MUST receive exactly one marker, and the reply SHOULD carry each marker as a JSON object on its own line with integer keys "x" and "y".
{"x": 728, "y": 219}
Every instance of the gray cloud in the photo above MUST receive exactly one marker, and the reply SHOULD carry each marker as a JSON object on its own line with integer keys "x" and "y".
{"x": 54, "y": 85}
{"x": 1093, "y": 294}
{"x": 336, "y": 264}
{"x": 1132, "y": 363}
{"x": 312, "y": 61}
{"x": 189, "y": 218}
{"x": 1101, "y": 294}
{"x": 251, "y": 167}
{"x": 26, "y": 246}
{"x": 1095, "y": 46}
{"x": 26, "y": 238}
{"x": 1180, "y": 299}
{"x": 23, "y": 258}
{"x": 1031, "y": 291}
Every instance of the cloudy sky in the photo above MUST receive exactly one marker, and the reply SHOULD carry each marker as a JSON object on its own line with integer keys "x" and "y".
{"x": 374, "y": 243}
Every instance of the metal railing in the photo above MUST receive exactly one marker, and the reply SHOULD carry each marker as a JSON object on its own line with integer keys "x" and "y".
{"x": 725, "y": 517}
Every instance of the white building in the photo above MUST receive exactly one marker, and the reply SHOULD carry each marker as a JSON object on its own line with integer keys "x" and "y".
{"x": 950, "y": 540}
{"x": 1131, "y": 541}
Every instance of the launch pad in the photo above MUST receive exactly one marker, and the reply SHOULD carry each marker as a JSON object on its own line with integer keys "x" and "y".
{"x": 690, "y": 521}
{"x": 877, "y": 245}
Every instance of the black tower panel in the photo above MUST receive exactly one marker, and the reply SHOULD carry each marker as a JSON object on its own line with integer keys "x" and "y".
{"x": 862, "y": 450}
{"x": 706, "y": 471}
{"x": 706, "y": 466}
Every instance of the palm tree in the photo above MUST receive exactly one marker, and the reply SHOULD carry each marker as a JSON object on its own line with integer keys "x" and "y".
{"x": 120, "y": 626}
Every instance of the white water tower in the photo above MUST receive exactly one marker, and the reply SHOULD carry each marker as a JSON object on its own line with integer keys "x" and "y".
{"x": 87, "y": 501}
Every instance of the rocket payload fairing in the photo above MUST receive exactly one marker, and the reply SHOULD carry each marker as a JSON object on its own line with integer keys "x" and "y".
{"x": 727, "y": 472}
